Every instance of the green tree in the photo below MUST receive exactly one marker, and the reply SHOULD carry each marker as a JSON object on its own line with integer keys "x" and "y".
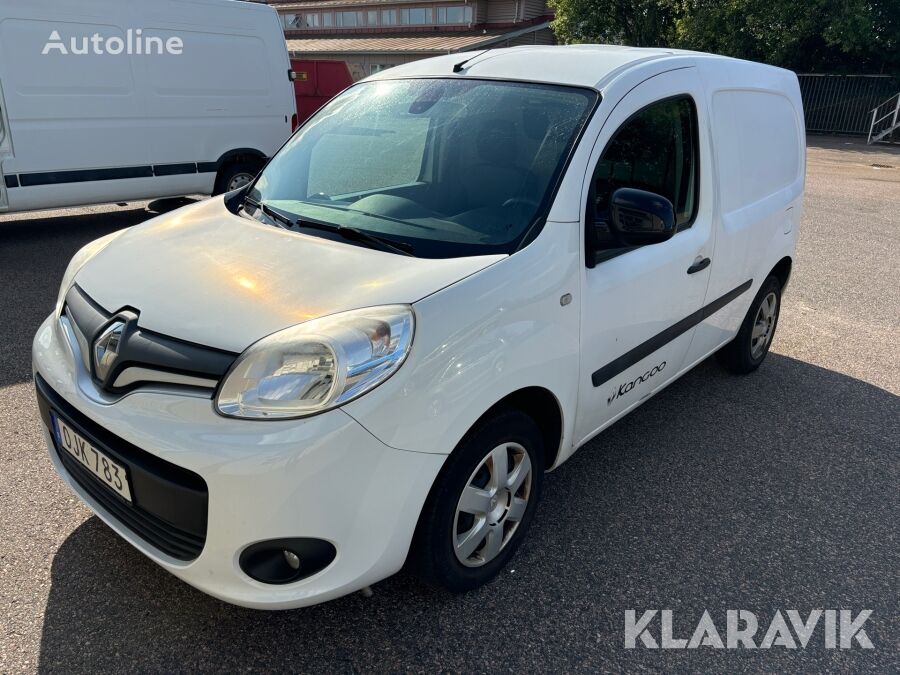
{"x": 809, "y": 36}
{"x": 640, "y": 23}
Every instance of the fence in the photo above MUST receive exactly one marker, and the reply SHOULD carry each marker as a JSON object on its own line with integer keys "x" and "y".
{"x": 843, "y": 104}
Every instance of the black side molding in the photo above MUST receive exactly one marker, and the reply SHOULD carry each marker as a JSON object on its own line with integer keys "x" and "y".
{"x": 174, "y": 169}
{"x": 84, "y": 176}
{"x": 121, "y": 173}
{"x": 645, "y": 349}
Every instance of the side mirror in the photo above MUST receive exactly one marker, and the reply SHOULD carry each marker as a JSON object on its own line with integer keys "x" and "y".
{"x": 639, "y": 217}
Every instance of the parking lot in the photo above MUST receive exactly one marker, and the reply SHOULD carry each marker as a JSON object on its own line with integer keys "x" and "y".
{"x": 771, "y": 492}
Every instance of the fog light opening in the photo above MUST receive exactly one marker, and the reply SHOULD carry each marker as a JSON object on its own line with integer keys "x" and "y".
{"x": 284, "y": 561}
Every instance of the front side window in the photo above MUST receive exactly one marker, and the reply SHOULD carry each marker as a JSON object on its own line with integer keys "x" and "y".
{"x": 448, "y": 167}
{"x": 655, "y": 150}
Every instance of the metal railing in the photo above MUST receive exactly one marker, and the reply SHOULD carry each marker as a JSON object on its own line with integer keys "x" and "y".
{"x": 884, "y": 119}
{"x": 842, "y": 104}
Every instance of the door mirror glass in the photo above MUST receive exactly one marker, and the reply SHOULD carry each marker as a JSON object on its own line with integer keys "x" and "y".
{"x": 639, "y": 217}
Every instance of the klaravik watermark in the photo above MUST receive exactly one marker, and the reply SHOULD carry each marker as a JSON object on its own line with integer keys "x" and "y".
{"x": 839, "y": 629}
{"x": 133, "y": 43}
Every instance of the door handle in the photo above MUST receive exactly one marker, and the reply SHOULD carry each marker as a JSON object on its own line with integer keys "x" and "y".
{"x": 699, "y": 265}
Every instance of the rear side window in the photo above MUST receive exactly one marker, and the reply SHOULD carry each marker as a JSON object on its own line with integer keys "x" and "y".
{"x": 655, "y": 150}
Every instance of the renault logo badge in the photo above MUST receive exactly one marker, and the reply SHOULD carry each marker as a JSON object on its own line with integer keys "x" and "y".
{"x": 106, "y": 348}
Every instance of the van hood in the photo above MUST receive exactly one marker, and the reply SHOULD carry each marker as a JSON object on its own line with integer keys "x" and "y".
{"x": 205, "y": 275}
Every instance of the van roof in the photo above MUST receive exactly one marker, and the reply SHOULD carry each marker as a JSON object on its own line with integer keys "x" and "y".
{"x": 579, "y": 65}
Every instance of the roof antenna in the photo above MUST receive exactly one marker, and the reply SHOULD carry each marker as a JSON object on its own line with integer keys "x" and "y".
{"x": 458, "y": 68}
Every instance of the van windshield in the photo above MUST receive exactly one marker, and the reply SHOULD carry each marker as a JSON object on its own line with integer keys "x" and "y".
{"x": 446, "y": 167}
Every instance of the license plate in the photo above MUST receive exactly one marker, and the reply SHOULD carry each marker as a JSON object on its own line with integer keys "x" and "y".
{"x": 110, "y": 473}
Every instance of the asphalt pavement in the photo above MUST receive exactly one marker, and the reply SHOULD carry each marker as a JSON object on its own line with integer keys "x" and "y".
{"x": 775, "y": 491}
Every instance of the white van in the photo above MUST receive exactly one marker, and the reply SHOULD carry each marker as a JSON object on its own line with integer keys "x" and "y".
{"x": 455, "y": 275}
{"x": 118, "y": 100}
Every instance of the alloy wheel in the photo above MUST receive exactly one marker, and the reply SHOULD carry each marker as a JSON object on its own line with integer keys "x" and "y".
{"x": 764, "y": 325}
{"x": 492, "y": 505}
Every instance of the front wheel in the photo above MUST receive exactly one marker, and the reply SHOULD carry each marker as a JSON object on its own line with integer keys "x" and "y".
{"x": 748, "y": 350}
{"x": 482, "y": 504}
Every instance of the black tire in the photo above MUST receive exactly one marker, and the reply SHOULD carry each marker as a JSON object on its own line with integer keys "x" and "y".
{"x": 231, "y": 171}
{"x": 738, "y": 356}
{"x": 433, "y": 556}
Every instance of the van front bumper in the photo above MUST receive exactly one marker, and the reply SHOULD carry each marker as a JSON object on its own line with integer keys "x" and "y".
{"x": 324, "y": 478}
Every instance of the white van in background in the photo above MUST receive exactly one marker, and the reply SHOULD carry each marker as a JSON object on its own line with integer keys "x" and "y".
{"x": 119, "y": 100}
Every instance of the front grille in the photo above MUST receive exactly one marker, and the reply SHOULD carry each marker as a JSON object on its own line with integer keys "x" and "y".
{"x": 170, "y": 505}
{"x": 143, "y": 357}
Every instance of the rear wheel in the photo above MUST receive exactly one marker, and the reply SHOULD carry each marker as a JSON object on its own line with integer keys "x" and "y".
{"x": 482, "y": 504}
{"x": 748, "y": 350}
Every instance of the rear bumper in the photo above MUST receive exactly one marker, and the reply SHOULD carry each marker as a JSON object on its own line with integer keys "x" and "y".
{"x": 324, "y": 478}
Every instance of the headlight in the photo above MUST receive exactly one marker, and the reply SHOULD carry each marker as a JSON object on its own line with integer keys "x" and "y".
{"x": 317, "y": 365}
{"x": 78, "y": 261}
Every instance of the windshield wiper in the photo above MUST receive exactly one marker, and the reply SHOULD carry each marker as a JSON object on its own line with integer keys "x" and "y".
{"x": 348, "y": 233}
{"x": 361, "y": 236}
{"x": 347, "y": 209}
{"x": 279, "y": 217}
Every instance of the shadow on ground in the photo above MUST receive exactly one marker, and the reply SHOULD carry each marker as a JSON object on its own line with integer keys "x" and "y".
{"x": 774, "y": 491}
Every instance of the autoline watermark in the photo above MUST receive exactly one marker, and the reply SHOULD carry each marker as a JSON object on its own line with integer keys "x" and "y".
{"x": 839, "y": 629}
{"x": 134, "y": 43}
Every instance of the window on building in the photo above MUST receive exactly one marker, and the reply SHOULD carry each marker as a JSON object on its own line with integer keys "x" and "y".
{"x": 292, "y": 21}
{"x": 416, "y": 16}
{"x": 411, "y": 16}
{"x": 378, "y": 67}
{"x": 456, "y": 15}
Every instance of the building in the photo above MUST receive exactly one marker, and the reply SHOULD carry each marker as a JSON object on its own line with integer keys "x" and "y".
{"x": 371, "y": 35}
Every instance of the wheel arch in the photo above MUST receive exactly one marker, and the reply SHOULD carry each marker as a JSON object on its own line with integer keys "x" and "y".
{"x": 782, "y": 271}
{"x": 240, "y": 155}
{"x": 541, "y": 405}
